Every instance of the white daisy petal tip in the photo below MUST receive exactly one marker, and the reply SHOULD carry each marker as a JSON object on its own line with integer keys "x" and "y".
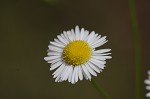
{"x": 73, "y": 55}
{"x": 147, "y": 82}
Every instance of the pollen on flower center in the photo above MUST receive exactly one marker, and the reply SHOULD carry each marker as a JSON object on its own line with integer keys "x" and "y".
{"x": 77, "y": 52}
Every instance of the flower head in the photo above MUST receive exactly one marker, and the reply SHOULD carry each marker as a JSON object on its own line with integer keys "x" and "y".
{"x": 147, "y": 81}
{"x": 74, "y": 56}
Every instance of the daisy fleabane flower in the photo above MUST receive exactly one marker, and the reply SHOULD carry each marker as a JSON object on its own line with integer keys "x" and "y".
{"x": 147, "y": 81}
{"x": 74, "y": 56}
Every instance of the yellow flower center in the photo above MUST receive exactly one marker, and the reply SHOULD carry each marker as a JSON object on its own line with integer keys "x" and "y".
{"x": 77, "y": 52}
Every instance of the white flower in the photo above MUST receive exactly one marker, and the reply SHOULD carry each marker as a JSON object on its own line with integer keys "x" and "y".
{"x": 74, "y": 56}
{"x": 147, "y": 81}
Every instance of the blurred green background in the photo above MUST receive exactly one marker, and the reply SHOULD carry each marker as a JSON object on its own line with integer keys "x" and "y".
{"x": 27, "y": 26}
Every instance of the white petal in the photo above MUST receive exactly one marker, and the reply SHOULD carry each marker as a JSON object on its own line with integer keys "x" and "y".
{"x": 94, "y": 67}
{"x": 65, "y": 77}
{"x": 51, "y": 58}
{"x": 80, "y": 73}
{"x": 101, "y": 51}
{"x": 86, "y": 33}
{"x": 69, "y": 33}
{"x": 73, "y": 34}
{"x": 66, "y": 35}
{"x": 86, "y": 72}
{"x": 100, "y": 40}
{"x": 148, "y": 94}
{"x": 85, "y": 76}
{"x": 76, "y": 74}
{"x": 101, "y": 58}
{"x": 147, "y": 82}
{"x": 58, "y": 79}
{"x": 98, "y": 61}
{"x": 46, "y": 58}
{"x": 99, "y": 44}
{"x": 54, "y": 48}
{"x": 148, "y": 87}
{"x": 99, "y": 54}
{"x": 58, "y": 71}
{"x": 73, "y": 76}
{"x": 82, "y": 34}
{"x": 55, "y": 65}
{"x": 97, "y": 64}
{"x": 55, "y": 60}
{"x": 90, "y": 70}
{"x": 61, "y": 39}
{"x": 65, "y": 39}
{"x": 148, "y": 72}
{"x": 57, "y": 44}
{"x": 98, "y": 57}
{"x": 70, "y": 74}
{"x": 54, "y": 53}
{"x": 91, "y": 37}
{"x": 77, "y": 32}
{"x": 63, "y": 72}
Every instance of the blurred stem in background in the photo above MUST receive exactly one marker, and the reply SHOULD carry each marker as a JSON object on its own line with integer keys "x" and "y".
{"x": 99, "y": 89}
{"x": 137, "y": 50}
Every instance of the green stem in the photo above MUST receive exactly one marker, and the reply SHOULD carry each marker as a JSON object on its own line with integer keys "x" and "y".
{"x": 137, "y": 50}
{"x": 101, "y": 92}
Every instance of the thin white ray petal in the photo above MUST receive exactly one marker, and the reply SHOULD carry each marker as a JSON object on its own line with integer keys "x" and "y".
{"x": 148, "y": 95}
{"x": 54, "y": 53}
{"x": 101, "y": 57}
{"x": 99, "y": 40}
{"x": 51, "y": 57}
{"x": 69, "y": 33}
{"x": 98, "y": 57}
{"x": 148, "y": 72}
{"x": 73, "y": 34}
{"x": 91, "y": 71}
{"x": 98, "y": 61}
{"x": 77, "y": 33}
{"x": 101, "y": 51}
{"x": 147, "y": 81}
{"x": 97, "y": 64}
{"x": 86, "y": 72}
{"x": 61, "y": 39}
{"x": 70, "y": 74}
{"x": 80, "y": 73}
{"x": 100, "y": 44}
{"x": 67, "y": 73}
{"x": 66, "y": 36}
{"x": 57, "y": 44}
{"x": 99, "y": 54}
{"x": 55, "y": 65}
{"x": 73, "y": 76}
{"x": 54, "y": 48}
{"x": 54, "y": 60}
{"x": 148, "y": 87}
{"x": 63, "y": 73}
{"x": 82, "y": 34}
{"x": 86, "y": 33}
{"x": 90, "y": 37}
{"x": 46, "y": 58}
{"x": 58, "y": 71}
{"x": 57, "y": 79}
{"x": 65, "y": 39}
{"x": 76, "y": 74}
{"x": 94, "y": 67}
